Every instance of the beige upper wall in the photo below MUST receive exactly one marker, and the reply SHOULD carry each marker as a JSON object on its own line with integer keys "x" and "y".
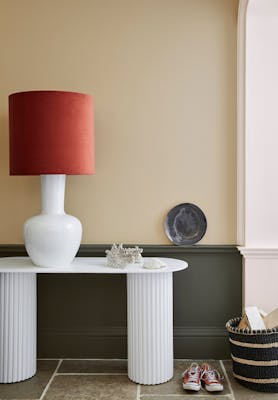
{"x": 163, "y": 75}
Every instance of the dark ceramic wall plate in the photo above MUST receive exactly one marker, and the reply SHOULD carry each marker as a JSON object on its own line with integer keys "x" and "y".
{"x": 185, "y": 224}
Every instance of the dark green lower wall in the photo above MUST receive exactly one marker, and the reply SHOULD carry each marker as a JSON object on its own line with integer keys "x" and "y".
{"x": 84, "y": 316}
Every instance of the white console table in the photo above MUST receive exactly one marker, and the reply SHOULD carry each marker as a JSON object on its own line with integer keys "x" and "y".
{"x": 149, "y": 309}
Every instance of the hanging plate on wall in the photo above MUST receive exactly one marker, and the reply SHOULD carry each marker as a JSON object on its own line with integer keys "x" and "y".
{"x": 185, "y": 224}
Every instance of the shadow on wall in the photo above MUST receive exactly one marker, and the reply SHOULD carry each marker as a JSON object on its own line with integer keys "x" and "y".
{"x": 4, "y": 145}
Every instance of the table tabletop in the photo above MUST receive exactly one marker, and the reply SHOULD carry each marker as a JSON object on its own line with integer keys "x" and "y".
{"x": 88, "y": 265}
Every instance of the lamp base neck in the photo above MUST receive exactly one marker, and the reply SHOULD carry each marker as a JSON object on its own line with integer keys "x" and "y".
{"x": 53, "y": 193}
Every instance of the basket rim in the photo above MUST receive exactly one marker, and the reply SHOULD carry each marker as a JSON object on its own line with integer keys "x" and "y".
{"x": 247, "y": 331}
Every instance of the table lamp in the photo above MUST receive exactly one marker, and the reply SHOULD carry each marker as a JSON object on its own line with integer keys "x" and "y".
{"x": 51, "y": 135}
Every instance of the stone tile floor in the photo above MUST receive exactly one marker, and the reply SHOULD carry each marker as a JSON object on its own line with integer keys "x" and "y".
{"x": 107, "y": 380}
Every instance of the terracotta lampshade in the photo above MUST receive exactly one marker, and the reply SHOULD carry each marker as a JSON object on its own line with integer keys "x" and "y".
{"x": 51, "y": 132}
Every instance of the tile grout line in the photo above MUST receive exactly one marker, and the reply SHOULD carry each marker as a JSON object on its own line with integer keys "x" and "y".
{"x": 227, "y": 379}
{"x": 84, "y": 359}
{"x": 183, "y": 396}
{"x": 138, "y": 393}
{"x": 51, "y": 379}
{"x": 90, "y": 373}
{"x": 121, "y": 359}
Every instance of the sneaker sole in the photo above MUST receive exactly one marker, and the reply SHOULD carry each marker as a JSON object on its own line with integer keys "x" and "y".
{"x": 191, "y": 386}
{"x": 214, "y": 388}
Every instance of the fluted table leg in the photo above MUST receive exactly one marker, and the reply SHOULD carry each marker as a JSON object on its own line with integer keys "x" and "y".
{"x": 18, "y": 304}
{"x": 150, "y": 327}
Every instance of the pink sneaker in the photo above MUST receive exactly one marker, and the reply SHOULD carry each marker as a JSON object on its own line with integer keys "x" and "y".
{"x": 211, "y": 378}
{"x": 192, "y": 378}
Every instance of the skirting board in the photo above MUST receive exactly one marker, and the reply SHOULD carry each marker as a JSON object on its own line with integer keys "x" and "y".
{"x": 111, "y": 342}
{"x": 84, "y": 316}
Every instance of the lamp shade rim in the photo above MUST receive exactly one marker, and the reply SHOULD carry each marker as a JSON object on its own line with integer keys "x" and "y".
{"x": 50, "y": 91}
{"x": 51, "y": 173}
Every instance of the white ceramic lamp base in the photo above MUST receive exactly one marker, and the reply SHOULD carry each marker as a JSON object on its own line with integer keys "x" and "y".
{"x": 18, "y": 326}
{"x": 52, "y": 238}
{"x": 150, "y": 327}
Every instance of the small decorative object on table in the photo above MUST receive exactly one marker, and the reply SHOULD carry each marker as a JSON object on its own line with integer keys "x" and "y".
{"x": 120, "y": 257}
{"x": 154, "y": 263}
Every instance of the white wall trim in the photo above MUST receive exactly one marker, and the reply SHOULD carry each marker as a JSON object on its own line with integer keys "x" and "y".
{"x": 241, "y": 100}
{"x": 257, "y": 194}
{"x": 259, "y": 253}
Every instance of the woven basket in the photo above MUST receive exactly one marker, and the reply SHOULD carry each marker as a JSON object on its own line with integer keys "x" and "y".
{"x": 255, "y": 357}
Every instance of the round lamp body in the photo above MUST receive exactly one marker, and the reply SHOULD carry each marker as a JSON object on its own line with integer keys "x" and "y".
{"x": 52, "y": 240}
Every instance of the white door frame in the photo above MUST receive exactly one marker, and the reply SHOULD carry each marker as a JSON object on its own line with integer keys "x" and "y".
{"x": 257, "y": 144}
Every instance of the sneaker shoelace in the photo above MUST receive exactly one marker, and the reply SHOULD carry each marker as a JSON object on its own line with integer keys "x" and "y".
{"x": 212, "y": 375}
{"x": 193, "y": 373}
